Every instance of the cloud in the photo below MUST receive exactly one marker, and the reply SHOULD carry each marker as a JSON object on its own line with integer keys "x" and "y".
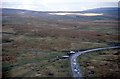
{"x": 55, "y": 5}
{"x": 57, "y": 1}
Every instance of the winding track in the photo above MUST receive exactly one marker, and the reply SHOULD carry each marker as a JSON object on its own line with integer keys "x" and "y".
{"x": 76, "y": 72}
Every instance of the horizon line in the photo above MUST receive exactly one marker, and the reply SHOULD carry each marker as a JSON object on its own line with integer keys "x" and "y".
{"x": 56, "y": 10}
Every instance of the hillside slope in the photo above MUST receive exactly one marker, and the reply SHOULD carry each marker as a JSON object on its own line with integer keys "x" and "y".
{"x": 108, "y": 14}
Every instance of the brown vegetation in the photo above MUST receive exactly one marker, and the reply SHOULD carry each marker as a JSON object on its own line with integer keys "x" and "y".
{"x": 21, "y": 34}
{"x": 102, "y": 64}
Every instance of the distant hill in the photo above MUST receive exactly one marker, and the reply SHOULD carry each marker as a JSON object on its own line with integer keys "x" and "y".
{"x": 112, "y": 10}
{"x": 6, "y": 11}
{"x": 109, "y": 14}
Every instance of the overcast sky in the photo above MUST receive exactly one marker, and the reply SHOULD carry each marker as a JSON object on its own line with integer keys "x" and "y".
{"x": 58, "y": 5}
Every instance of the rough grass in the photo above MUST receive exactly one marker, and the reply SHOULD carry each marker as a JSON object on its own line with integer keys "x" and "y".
{"x": 100, "y": 64}
{"x": 50, "y": 43}
{"x": 32, "y": 38}
{"x": 108, "y": 30}
{"x": 32, "y": 62}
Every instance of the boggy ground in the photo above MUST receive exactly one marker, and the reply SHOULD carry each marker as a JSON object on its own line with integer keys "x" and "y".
{"x": 32, "y": 46}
